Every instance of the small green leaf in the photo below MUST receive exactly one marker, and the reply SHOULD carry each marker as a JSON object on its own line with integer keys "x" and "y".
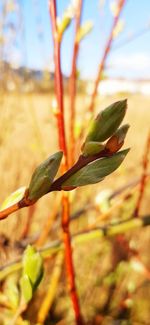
{"x": 91, "y": 148}
{"x": 96, "y": 170}
{"x": 107, "y": 122}
{"x": 43, "y": 176}
{"x": 26, "y": 288}
{"x": 64, "y": 24}
{"x": 14, "y": 197}
{"x": 33, "y": 266}
{"x": 84, "y": 30}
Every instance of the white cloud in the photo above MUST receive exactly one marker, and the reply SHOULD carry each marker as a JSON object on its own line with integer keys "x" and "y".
{"x": 137, "y": 64}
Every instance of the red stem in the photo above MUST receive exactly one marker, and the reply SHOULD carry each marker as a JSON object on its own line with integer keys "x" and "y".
{"x": 62, "y": 144}
{"x": 105, "y": 55}
{"x": 58, "y": 82}
{"x": 72, "y": 85}
{"x": 143, "y": 177}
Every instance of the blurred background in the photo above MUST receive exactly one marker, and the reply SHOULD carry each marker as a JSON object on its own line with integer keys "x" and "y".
{"x": 28, "y": 135}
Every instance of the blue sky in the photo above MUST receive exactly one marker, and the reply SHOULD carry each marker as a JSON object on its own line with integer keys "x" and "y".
{"x": 131, "y": 60}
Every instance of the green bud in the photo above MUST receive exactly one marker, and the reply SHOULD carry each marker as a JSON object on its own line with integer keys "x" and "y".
{"x": 13, "y": 198}
{"x": 117, "y": 140}
{"x": 43, "y": 176}
{"x": 33, "y": 266}
{"x": 84, "y": 30}
{"x": 92, "y": 148}
{"x": 64, "y": 24}
{"x": 121, "y": 132}
{"x": 26, "y": 288}
{"x": 107, "y": 122}
{"x": 96, "y": 171}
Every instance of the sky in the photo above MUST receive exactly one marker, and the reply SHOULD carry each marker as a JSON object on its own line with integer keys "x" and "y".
{"x": 34, "y": 46}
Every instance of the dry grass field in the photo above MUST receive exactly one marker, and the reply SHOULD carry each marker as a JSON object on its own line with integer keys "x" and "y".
{"x": 27, "y": 136}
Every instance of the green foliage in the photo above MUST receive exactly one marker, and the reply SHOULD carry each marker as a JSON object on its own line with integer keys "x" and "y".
{"x": 33, "y": 265}
{"x": 91, "y": 148}
{"x": 13, "y": 198}
{"x": 64, "y": 23}
{"x": 32, "y": 272}
{"x": 26, "y": 288}
{"x": 43, "y": 176}
{"x": 121, "y": 132}
{"x": 107, "y": 122}
{"x": 84, "y": 30}
{"x": 96, "y": 170}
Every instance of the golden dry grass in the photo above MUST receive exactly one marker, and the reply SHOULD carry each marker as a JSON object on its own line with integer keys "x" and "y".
{"x": 28, "y": 136}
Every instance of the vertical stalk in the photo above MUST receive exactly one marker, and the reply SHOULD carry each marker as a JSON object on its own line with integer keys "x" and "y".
{"x": 107, "y": 49}
{"x": 63, "y": 147}
{"x": 72, "y": 84}
{"x": 143, "y": 177}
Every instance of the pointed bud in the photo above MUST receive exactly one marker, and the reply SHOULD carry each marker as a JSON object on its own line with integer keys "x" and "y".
{"x": 63, "y": 25}
{"x": 117, "y": 140}
{"x": 107, "y": 122}
{"x": 33, "y": 266}
{"x": 91, "y": 148}
{"x": 84, "y": 31}
{"x": 43, "y": 176}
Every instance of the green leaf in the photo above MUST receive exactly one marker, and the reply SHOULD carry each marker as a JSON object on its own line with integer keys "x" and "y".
{"x": 91, "y": 148}
{"x": 96, "y": 170}
{"x": 33, "y": 266}
{"x": 107, "y": 122}
{"x": 84, "y": 30}
{"x": 26, "y": 288}
{"x": 64, "y": 24}
{"x": 14, "y": 197}
{"x": 43, "y": 176}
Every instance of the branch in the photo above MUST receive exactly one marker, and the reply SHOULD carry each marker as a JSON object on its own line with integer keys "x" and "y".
{"x": 143, "y": 177}
{"x": 72, "y": 83}
{"x": 106, "y": 52}
{"x": 63, "y": 147}
{"x": 58, "y": 82}
{"x": 97, "y": 232}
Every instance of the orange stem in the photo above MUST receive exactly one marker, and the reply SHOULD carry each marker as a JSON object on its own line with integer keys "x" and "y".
{"x": 24, "y": 202}
{"x": 72, "y": 85}
{"x": 105, "y": 55}
{"x": 143, "y": 178}
{"x": 63, "y": 147}
{"x": 58, "y": 83}
{"x": 4, "y": 213}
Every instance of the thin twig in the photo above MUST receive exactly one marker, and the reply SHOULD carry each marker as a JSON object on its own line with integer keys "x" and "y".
{"x": 97, "y": 232}
{"x": 56, "y": 185}
{"x": 143, "y": 177}
{"x": 106, "y": 52}
{"x": 72, "y": 83}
